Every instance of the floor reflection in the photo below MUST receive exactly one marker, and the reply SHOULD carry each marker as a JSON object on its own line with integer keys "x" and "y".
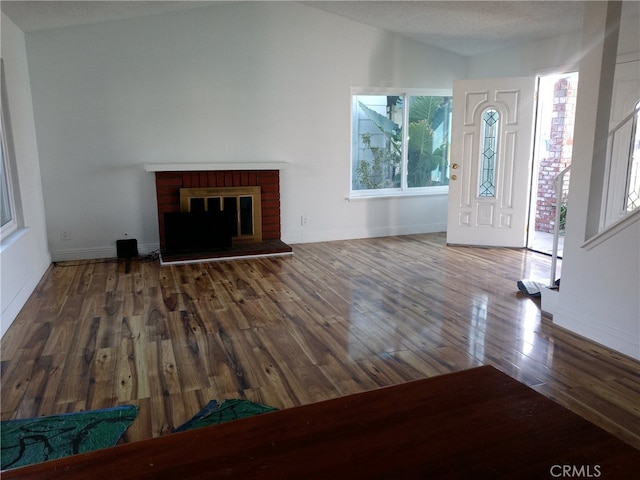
{"x": 478, "y": 326}
{"x": 530, "y": 319}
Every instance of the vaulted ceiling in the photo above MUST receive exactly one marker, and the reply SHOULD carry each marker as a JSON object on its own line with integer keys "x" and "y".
{"x": 463, "y": 27}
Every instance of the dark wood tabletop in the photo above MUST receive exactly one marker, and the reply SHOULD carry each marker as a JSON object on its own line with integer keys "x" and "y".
{"x": 478, "y": 423}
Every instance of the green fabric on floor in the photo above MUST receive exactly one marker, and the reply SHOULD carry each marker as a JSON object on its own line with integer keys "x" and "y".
{"x": 35, "y": 440}
{"x": 214, "y": 413}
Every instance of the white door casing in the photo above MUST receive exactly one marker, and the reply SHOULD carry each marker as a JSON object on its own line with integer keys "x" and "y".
{"x": 500, "y": 219}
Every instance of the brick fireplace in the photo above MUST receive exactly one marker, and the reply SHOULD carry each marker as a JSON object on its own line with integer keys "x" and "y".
{"x": 169, "y": 183}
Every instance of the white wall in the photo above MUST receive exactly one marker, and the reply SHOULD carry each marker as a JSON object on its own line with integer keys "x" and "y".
{"x": 233, "y": 82}
{"x": 550, "y": 55}
{"x": 24, "y": 256}
{"x": 600, "y": 291}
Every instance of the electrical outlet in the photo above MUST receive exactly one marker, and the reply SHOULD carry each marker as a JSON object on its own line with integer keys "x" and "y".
{"x": 304, "y": 220}
{"x": 65, "y": 235}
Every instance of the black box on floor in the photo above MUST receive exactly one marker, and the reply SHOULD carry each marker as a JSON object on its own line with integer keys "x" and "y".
{"x": 127, "y": 248}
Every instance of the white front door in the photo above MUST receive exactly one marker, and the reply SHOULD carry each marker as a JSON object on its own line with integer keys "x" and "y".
{"x": 491, "y": 157}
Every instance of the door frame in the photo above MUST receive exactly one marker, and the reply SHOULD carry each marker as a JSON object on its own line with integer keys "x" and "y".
{"x": 545, "y": 113}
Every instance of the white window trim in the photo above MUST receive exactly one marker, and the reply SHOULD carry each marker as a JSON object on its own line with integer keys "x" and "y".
{"x": 635, "y": 132}
{"x": 12, "y": 225}
{"x": 403, "y": 190}
{"x": 397, "y": 192}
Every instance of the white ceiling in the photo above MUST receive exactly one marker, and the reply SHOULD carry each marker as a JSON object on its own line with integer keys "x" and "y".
{"x": 31, "y": 15}
{"x": 464, "y": 27}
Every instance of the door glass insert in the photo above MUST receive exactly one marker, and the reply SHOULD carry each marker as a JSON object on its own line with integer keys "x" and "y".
{"x": 489, "y": 152}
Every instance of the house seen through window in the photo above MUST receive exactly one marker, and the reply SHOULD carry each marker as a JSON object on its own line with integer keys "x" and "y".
{"x": 400, "y": 143}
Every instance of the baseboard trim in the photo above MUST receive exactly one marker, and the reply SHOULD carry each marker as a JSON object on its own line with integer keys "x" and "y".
{"x": 98, "y": 252}
{"x": 303, "y": 235}
{"x": 596, "y": 331}
{"x": 11, "y": 311}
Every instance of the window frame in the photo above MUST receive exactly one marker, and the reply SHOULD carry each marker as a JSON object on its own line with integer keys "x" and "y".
{"x": 404, "y": 190}
{"x": 633, "y": 141}
{"x": 7, "y": 161}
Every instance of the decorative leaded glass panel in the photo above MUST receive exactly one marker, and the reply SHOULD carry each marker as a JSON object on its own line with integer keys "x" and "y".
{"x": 489, "y": 152}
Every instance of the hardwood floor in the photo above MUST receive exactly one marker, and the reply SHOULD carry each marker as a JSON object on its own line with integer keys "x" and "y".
{"x": 333, "y": 319}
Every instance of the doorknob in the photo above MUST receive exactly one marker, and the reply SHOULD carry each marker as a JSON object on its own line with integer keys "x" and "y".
{"x": 454, "y": 165}
{"x": 454, "y": 177}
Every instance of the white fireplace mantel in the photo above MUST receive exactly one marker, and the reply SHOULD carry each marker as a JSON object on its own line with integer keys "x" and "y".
{"x": 195, "y": 167}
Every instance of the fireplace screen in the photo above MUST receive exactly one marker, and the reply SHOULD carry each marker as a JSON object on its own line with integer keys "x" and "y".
{"x": 243, "y": 203}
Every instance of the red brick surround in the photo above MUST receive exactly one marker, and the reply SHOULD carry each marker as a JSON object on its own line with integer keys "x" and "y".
{"x": 168, "y": 185}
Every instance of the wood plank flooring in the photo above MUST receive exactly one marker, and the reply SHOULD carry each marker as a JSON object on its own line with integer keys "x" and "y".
{"x": 333, "y": 319}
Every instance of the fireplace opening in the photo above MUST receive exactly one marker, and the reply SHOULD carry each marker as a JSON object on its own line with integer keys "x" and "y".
{"x": 240, "y": 205}
{"x": 189, "y": 232}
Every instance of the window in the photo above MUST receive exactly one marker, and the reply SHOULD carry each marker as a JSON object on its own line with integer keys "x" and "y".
{"x": 400, "y": 143}
{"x": 632, "y": 193}
{"x": 489, "y": 152}
{"x": 7, "y": 201}
{"x": 621, "y": 187}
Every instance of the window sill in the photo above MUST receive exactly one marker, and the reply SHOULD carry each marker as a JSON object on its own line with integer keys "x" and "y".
{"x": 623, "y": 223}
{"x": 442, "y": 190}
{"x": 12, "y": 238}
